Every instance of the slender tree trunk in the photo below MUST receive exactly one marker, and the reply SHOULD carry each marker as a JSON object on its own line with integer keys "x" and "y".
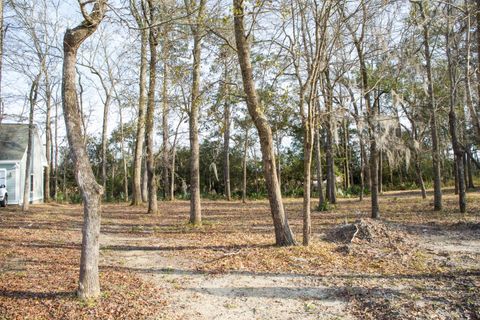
{"x": 452, "y": 119}
{"x": 380, "y": 172}
{"x": 418, "y": 170}
{"x": 468, "y": 91}
{"x": 329, "y": 153}
{"x": 28, "y": 166}
{"x": 137, "y": 195}
{"x": 471, "y": 185}
{"x": 362, "y": 168}
{"x": 149, "y": 120}
{"x": 244, "y": 185}
{"x": 165, "y": 110}
{"x": 145, "y": 181}
{"x": 172, "y": 173}
{"x": 437, "y": 180}
{"x": 124, "y": 157}
{"x": 283, "y": 233}
{"x": 318, "y": 157}
{"x": 307, "y": 171}
{"x": 279, "y": 158}
{"x": 226, "y": 150}
{"x": 347, "y": 158}
{"x": 55, "y": 183}
{"x": 195, "y": 204}
{"x": 106, "y": 111}
{"x": 89, "y": 284}
{"x": 48, "y": 135}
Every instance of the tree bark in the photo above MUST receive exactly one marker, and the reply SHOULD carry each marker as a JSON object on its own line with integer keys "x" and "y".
{"x": 106, "y": 107}
{"x": 226, "y": 150}
{"x": 89, "y": 284}
{"x": 458, "y": 149}
{"x": 437, "y": 180}
{"x": 28, "y": 166}
{"x": 137, "y": 197}
{"x": 329, "y": 153}
{"x": 48, "y": 137}
{"x": 283, "y": 233}
{"x": 195, "y": 204}
{"x": 244, "y": 184}
{"x": 318, "y": 157}
{"x": 165, "y": 110}
{"x": 149, "y": 120}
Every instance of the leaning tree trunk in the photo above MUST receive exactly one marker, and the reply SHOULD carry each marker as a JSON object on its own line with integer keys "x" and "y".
{"x": 89, "y": 284}
{"x": 137, "y": 197}
{"x": 283, "y": 233}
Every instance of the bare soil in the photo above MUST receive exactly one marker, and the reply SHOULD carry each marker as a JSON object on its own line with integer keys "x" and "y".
{"x": 411, "y": 264}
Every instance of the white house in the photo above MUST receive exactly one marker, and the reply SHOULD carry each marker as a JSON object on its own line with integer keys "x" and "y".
{"x": 13, "y": 159}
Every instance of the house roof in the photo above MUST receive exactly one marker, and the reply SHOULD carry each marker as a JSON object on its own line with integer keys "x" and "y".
{"x": 13, "y": 141}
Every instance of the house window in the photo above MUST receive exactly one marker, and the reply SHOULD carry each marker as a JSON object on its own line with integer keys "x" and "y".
{"x": 31, "y": 183}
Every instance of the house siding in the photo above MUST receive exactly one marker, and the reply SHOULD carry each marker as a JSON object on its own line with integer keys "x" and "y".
{"x": 16, "y": 175}
{"x": 11, "y": 183}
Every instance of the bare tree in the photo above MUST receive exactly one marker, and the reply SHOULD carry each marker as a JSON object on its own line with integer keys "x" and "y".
{"x": 437, "y": 179}
{"x": 283, "y": 233}
{"x": 140, "y": 134}
{"x": 149, "y": 121}
{"x": 197, "y": 29}
{"x": 89, "y": 283}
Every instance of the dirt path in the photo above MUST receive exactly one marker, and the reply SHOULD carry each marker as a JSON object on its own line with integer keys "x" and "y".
{"x": 197, "y": 295}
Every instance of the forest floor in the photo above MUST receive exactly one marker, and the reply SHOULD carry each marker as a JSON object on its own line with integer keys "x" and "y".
{"x": 415, "y": 264}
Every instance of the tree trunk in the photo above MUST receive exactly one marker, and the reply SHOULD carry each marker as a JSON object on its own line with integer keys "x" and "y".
{"x": 89, "y": 284}
{"x": 244, "y": 185}
{"x": 318, "y": 157}
{"x": 149, "y": 120}
{"x": 165, "y": 150}
{"x": 329, "y": 153}
{"x": 195, "y": 204}
{"x": 307, "y": 169}
{"x": 145, "y": 180}
{"x": 347, "y": 154}
{"x": 380, "y": 172}
{"x": 48, "y": 138}
{"x": 104, "y": 140}
{"x": 471, "y": 185}
{"x": 468, "y": 91}
{"x": 137, "y": 195}
{"x": 55, "y": 182}
{"x": 418, "y": 170}
{"x": 28, "y": 166}
{"x": 226, "y": 150}
{"x": 437, "y": 180}
{"x": 124, "y": 158}
{"x": 452, "y": 120}
{"x": 283, "y": 233}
